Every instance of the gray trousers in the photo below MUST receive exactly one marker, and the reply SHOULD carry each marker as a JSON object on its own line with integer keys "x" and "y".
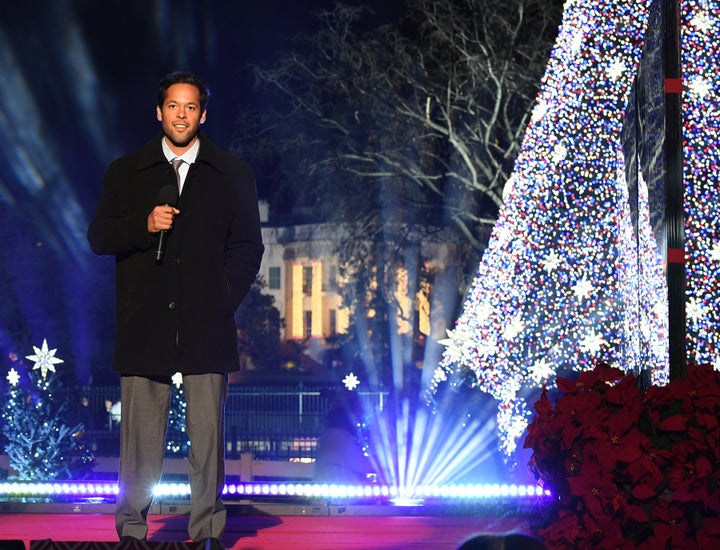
{"x": 145, "y": 404}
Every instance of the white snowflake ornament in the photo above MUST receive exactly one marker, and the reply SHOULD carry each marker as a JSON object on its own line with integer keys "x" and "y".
{"x": 13, "y": 377}
{"x": 44, "y": 358}
{"x": 351, "y": 381}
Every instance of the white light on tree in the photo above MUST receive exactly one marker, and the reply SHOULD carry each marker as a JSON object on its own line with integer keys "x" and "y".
{"x": 701, "y": 177}
{"x": 559, "y": 288}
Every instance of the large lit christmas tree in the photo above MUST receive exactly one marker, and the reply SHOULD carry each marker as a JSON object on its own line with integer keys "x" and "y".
{"x": 701, "y": 175}
{"x": 42, "y": 441}
{"x": 573, "y": 273}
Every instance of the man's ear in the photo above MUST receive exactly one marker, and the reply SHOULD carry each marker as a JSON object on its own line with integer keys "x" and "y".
{"x": 158, "y": 114}
{"x": 202, "y": 118}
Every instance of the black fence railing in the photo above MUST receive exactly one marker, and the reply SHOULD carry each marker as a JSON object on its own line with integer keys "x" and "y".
{"x": 273, "y": 423}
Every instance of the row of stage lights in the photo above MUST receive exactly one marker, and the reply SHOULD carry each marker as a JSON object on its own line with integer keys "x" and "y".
{"x": 260, "y": 490}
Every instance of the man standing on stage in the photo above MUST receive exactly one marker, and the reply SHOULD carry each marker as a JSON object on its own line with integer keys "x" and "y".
{"x": 181, "y": 218}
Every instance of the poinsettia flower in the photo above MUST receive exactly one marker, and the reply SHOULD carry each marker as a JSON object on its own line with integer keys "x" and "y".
{"x": 603, "y": 531}
{"x": 712, "y": 500}
{"x": 631, "y": 469}
{"x": 602, "y": 373}
{"x": 627, "y": 397}
{"x": 567, "y": 386}
{"x": 595, "y": 488}
{"x": 689, "y": 480}
{"x": 647, "y": 470}
{"x": 543, "y": 405}
{"x": 670, "y": 526}
{"x": 704, "y": 381}
{"x": 643, "y": 491}
{"x": 564, "y": 532}
{"x": 675, "y": 423}
{"x": 678, "y": 390}
{"x": 573, "y": 412}
{"x": 708, "y": 421}
{"x": 616, "y": 441}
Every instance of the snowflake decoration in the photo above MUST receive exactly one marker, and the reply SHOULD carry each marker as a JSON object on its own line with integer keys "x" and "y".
{"x": 702, "y": 22}
{"x": 592, "y": 342}
{"x": 559, "y": 153}
{"x": 699, "y": 87}
{"x": 177, "y": 379}
{"x": 484, "y": 312}
{"x": 541, "y": 370}
{"x": 508, "y": 187}
{"x": 715, "y": 252}
{"x": 351, "y": 381}
{"x": 539, "y": 111}
{"x": 616, "y": 70}
{"x": 695, "y": 309}
{"x": 44, "y": 358}
{"x": 13, "y": 377}
{"x": 454, "y": 338}
{"x": 576, "y": 41}
{"x": 551, "y": 262}
{"x": 514, "y": 328}
{"x": 487, "y": 347}
{"x": 583, "y": 288}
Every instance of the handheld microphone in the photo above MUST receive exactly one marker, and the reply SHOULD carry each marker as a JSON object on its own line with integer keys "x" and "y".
{"x": 168, "y": 196}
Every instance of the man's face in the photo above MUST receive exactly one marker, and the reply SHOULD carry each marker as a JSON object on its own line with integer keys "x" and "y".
{"x": 181, "y": 116}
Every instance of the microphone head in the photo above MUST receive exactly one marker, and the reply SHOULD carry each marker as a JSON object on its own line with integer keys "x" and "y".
{"x": 168, "y": 195}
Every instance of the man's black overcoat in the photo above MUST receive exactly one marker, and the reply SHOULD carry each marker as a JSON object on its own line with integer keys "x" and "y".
{"x": 177, "y": 315}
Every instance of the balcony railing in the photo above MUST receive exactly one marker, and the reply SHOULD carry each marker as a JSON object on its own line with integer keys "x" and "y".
{"x": 272, "y": 423}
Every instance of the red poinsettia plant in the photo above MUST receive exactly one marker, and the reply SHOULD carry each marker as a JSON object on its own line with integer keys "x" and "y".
{"x": 630, "y": 469}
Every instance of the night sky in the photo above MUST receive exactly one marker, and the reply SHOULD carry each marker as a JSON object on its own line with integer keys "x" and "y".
{"x": 78, "y": 88}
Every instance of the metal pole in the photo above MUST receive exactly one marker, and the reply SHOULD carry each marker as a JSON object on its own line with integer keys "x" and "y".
{"x": 674, "y": 189}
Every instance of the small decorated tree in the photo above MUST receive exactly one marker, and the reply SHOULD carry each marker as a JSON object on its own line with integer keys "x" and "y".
{"x": 40, "y": 440}
{"x": 177, "y": 440}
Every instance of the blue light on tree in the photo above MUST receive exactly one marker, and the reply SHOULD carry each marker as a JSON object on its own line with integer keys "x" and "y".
{"x": 559, "y": 287}
{"x": 701, "y": 175}
{"x": 42, "y": 441}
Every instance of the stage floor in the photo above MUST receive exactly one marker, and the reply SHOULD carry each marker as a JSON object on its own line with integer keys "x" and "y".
{"x": 269, "y": 527}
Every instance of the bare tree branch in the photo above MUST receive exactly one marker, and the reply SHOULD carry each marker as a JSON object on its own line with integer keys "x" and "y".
{"x": 415, "y": 124}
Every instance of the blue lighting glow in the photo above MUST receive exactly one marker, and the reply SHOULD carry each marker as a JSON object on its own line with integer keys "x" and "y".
{"x": 260, "y": 490}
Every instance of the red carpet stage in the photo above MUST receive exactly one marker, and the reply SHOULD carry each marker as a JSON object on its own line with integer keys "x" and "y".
{"x": 312, "y": 528}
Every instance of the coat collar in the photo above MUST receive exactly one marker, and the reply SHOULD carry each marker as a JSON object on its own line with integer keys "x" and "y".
{"x": 151, "y": 154}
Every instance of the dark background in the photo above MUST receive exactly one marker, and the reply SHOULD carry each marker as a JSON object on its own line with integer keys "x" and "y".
{"x": 78, "y": 82}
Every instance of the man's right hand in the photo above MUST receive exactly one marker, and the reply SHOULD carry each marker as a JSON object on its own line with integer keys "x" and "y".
{"x": 161, "y": 218}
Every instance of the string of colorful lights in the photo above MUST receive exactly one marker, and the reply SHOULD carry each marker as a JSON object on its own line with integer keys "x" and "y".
{"x": 73, "y": 490}
{"x": 567, "y": 280}
{"x": 701, "y": 172}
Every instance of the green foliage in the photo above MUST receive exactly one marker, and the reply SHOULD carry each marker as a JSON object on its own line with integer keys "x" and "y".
{"x": 258, "y": 328}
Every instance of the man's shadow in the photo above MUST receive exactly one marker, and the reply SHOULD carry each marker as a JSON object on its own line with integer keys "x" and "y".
{"x": 243, "y": 522}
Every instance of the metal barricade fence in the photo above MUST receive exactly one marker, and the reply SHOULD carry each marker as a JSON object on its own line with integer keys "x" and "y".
{"x": 273, "y": 423}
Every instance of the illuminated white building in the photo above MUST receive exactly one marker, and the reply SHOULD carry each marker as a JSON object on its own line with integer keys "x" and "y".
{"x": 300, "y": 270}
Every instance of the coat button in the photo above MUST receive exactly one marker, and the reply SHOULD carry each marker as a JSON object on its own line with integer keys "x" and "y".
{"x": 178, "y": 260}
{"x": 171, "y": 305}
